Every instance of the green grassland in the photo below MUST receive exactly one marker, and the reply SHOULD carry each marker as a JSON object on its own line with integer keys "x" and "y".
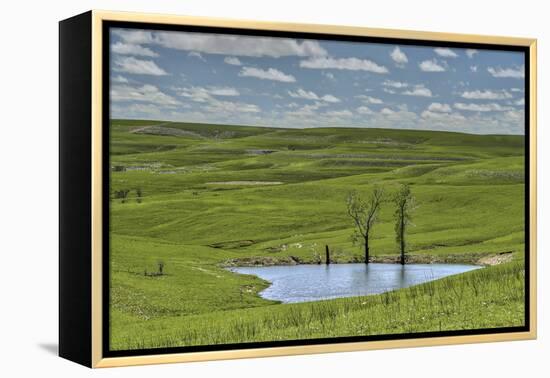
{"x": 203, "y": 197}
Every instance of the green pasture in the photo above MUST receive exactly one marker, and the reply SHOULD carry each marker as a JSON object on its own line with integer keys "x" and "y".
{"x": 203, "y": 197}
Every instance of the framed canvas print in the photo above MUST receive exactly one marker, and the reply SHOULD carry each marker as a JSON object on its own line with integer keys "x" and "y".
{"x": 235, "y": 189}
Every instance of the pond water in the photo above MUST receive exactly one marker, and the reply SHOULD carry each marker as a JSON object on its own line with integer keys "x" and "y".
{"x": 304, "y": 283}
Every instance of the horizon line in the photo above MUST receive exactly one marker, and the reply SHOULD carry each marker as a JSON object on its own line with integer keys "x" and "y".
{"x": 308, "y": 128}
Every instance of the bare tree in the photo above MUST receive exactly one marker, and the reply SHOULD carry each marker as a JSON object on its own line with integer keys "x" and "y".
{"x": 161, "y": 268}
{"x": 404, "y": 206}
{"x": 364, "y": 214}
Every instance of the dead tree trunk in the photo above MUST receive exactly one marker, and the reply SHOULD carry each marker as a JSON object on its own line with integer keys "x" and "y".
{"x": 327, "y": 255}
{"x": 402, "y": 240}
{"x": 366, "y": 250}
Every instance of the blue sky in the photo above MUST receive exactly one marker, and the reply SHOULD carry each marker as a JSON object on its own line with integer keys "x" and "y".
{"x": 295, "y": 83}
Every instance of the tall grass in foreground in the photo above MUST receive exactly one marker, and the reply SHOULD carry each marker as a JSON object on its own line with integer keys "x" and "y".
{"x": 485, "y": 298}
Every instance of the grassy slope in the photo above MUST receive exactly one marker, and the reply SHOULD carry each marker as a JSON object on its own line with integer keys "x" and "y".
{"x": 469, "y": 190}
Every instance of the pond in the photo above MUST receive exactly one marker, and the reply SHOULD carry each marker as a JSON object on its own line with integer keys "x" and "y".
{"x": 304, "y": 283}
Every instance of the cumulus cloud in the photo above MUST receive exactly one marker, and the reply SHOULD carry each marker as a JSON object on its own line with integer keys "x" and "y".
{"x": 306, "y": 111}
{"x": 196, "y": 54}
{"x": 226, "y": 44}
{"x": 204, "y": 94}
{"x": 391, "y": 118}
{"x": 442, "y": 116}
{"x": 491, "y": 107}
{"x": 137, "y": 66}
{"x": 486, "y": 95}
{"x": 419, "y": 90}
{"x": 364, "y": 110}
{"x": 399, "y": 57}
{"x": 439, "y": 108}
{"x": 445, "y": 52}
{"x": 515, "y": 73}
{"x": 232, "y": 60}
{"x": 269, "y": 74}
{"x": 310, "y": 95}
{"x": 146, "y": 93}
{"x": 220, "y": 107}
{"x": 140, "y": 110}
{"x": 119, "y": 79}
{"x": 473, "y": 68}
{"x": 395, "y": 84}
{"x": 130, "y": 49}
{"x": 370, "y": 99}
{"x": 339, "y": 113}
{"x": 471, "y": 52}
{"x": 514, "y": 115}
{"x": 212, "y": 100}
{"x": 352, "y": 64}
{"x": 134, "y": 36}
{"x": 431, "y": 66}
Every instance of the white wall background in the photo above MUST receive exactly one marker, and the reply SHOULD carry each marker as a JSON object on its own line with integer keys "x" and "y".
{"x": 28, "y": 186}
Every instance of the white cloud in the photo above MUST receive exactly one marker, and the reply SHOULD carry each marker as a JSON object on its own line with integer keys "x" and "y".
{"x": 439, "y": 116}
{"x": 208, "y": 97}
{"x": 269, "y": 74}
{"x": 364, "y": 110}
{"x": 401, "y": 117}
{"x": 130, "y": 49}
{"x": 514, "y": 115}
{"x": 136, "y": 111}
{"x": 339, "y": 113}
{"x": 439, "y": 108}
{"x": 521, "y": 101}
{"x": 473, "y": 68}
{"x": 300, "y": 93}
{"x": 486, "y": 95}
{"x": 119, "y": 79}
{"x": 515, "y": 73}
{"x": 232, "y": 60}
{"x": 395, "y": 84}
{"x": 231, "y": 107}
{"x": 352, "y": 64}
{"x": 431, "y": 66}
{"x": 445, "y": 52}
{"x": 196, "y": 54}
{"x": 420, "y": 91}
{"x": 310, "y": 95}
{"x": 492, "y": 107}
{"x": 328, "y": 75}
{"x": 471, "y": 53}
{"x": 330, "y": 98}
{"x": 138, "y": 67}
{"x": 370, "y": 100}
{"x": 204, "y": 94}
{"x": 146, "y": 93}
{"x": 306, "y": 110}
{"x": 225, "y": 44}
{"x": 223, "y": 91}
{"x": 134, "y": 36}
{"x": 516, "y": 90}
{"x": 399, "y": 57}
